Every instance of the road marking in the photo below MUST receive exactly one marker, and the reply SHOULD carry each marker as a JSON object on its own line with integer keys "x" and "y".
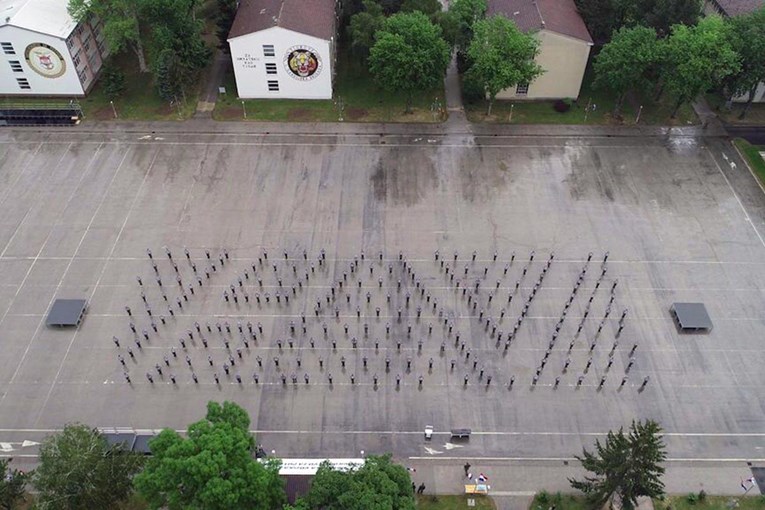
{"x": 573, "y": 459}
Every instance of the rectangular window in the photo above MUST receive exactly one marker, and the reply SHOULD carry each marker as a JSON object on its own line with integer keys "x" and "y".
{"x": 100, "y": 46}
{"x": 268, "y": 50}
{"x": 8, "y": 48}
{"x": 76, "y": 59}
{"x": 270, "y": 68}
{"x": 92, "y": 60}
{"x": 83, "y": 74}
{"x": 70, "y": 42}
{"x": 86, "y": 46}
{"x": 23, "y": 83}
{"x": 522, "y": 89}
{"x": 273, "y": 86}
{"x": 16, "y": 66}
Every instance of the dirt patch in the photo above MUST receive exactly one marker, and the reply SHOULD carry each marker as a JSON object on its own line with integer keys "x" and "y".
{"x": 299, "y": 114}
{"x": 165, "y": 109}
{"x": 356, "y": 113}
{"x": 104, "y": 113}
{"x": 229, "y": 113}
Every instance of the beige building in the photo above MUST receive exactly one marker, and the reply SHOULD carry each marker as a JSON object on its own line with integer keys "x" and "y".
{"x": 564, "y": 46}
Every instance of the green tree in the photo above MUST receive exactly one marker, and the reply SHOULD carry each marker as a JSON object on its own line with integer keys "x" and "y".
{"x": 747, "y": 37}
{"x": 79, "y": 471}
{"x": 465, "y": 13}
{"x": 212, "y": 468}
{"x": 428, "y": 7}
{"x": 12, "y": 485}
{"x": 377, "y": 485}
{"x": 697, "y": 59}
{"x": 391, "y": 6}
{"x": 364, "y": 25}
{"x": 624, "y": 63}
{"x": 625, "y": 466}
{"x": 409, "y": 55}
{"x": 113, "y": 81}
{"x": 122, "y": 29}
{"x": 501, "y": 56}
{"x": 224, "y": 19}
{"x": 662, "y": 14}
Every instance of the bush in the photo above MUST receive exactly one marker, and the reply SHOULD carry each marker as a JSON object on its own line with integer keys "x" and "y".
{"x": 113, "y": 81}
{"x": 543, "y": 497}
{"x": 692, "y": 498}
{"x": 702, "y": 496}
{"x": 561, "y": 106}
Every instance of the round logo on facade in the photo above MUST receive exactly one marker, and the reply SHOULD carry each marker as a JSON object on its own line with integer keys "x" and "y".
{"x": 45, "y": 60}
{"x": 302, "y": 62}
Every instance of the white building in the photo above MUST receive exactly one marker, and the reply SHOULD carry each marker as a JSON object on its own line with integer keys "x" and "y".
{"x": 284, "y": 48}
{"x": 45, "y": 51}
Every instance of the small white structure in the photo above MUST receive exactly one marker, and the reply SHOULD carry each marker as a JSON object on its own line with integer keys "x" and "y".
{"x": 284, "y": 48}
{"x": 46, "y": 52}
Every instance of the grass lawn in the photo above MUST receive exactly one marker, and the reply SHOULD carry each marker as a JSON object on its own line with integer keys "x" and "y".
{"x": 752, "y": 155}
{"x": 544, "y": 500}
{"x": 542, "y": 112}
{"x": 756, "y": 114}
{"x": 710, "y": 503}
{"x": 362, "y": 101}
{"x": 457, "y": 502}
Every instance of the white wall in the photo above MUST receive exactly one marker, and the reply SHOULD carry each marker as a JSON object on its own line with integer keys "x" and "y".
{"x": 250, "y": 65}
{"x": 66, "y": 85}
{"x": 564, "y": 60}
{"x": 759, "y": 95}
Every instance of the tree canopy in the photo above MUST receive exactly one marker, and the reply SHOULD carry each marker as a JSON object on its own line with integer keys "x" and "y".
{"x": 625, "y": 466}
{"x": 13, "y": 483}
{"x": 697, "y": 58}
{"x": 212, "y": 468}
{"x": 79, "y": 471}
{"x": 364, "y": 25}
{"x": 465, "y": 14}
{"x": 377, "y": 485}
{"x": 625, "y": 62}
{"x": 409, "y": 55}
{"x": 747, "y": 38}
{"x": 501, "y": 56}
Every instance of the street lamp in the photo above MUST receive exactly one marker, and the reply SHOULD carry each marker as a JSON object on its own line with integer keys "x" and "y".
{"x": 244, "y": 111}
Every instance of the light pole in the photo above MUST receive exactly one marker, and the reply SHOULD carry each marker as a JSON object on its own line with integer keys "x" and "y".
{"x": 113, "y": 109}
{"x": 340, "y": 105}
{"x": 510, "y": 117}
{"x": 244, "y": 111}
{"x": 640, "y": 110}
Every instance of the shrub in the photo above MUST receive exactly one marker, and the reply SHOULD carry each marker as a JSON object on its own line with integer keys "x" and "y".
{"x": 113, "y": 81}
{"x": 691, "y": 498}
{"x": 561, "y": 106}
{"x": 543, "y": 497}
{"x": 702, "y": 496}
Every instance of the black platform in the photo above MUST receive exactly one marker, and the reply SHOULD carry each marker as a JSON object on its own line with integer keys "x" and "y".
{"x": 691, "y": 317}
{"x": 66, "y": 312}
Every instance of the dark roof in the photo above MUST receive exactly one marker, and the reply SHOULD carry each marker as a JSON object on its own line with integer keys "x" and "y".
{"x": 739, "y": 7}
{"x": 312, "y": 17}
{"x": 559, "y": 16}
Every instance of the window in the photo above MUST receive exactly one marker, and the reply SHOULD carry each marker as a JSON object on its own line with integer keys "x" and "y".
{"x": 268, "y": 50}
{"x": 70, "y": 42}
{"x": 8, "y": 48}
{"x": 76, "y": 59}
{"x": 100, "y": 46}
{"x": 23, "y": 83}
{"x": 92, "y": 60}
{"x": 16, "y": 66}
{"x": 270, "y": 68}
{"x": 522, "y": 89}
{"x": 86, "y": 45}
{"x": 83, "y": 74}
{"x": 273, "y": 86}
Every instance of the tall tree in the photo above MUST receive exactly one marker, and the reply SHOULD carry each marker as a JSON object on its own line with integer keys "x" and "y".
{"x": 465, "y": 14}
{"x": 409, "y": 55}
{"x": 697, "y": 59}
{"x": 377, "y": 485}
{"x": 501, "y": 56}
{"x": 747, "y": 37}
{"x": 625, "y": 466}
{"x": 224, "y": 19}
{"x": 364, "y": 25}
{"x": 662, "y": 14}
{"x": 12, "y": 485}
{"x": 624, "y": 63}
{"x": 79, "y": 471}
{"x": 212, "y": 468}
{"x": 121, "y": 19}
{"x": 429, "y": 7}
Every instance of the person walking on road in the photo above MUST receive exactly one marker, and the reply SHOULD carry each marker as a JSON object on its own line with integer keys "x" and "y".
{"x": 467, "y": 468}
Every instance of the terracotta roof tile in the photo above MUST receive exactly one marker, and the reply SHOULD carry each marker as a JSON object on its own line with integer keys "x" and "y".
{"x": 558, "y": 16}
{"x": 312, "y": 17}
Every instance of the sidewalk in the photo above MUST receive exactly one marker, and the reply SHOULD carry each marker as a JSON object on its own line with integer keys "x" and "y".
{"x": 514, "y": 483}
{"x": 209, "y": 126}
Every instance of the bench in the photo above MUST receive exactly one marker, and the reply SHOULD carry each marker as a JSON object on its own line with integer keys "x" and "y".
{"x": 461, "y": 433}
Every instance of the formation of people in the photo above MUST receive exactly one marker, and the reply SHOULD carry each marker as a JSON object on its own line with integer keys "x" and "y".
{"x": 365, "y": 320}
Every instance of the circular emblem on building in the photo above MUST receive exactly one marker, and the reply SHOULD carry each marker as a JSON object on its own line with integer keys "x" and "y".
{"x": 45, "y": 60}
{"x": 302, "y": 62}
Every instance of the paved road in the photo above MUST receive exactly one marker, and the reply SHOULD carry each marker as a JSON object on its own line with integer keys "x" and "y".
{"x": 680, "y": 215}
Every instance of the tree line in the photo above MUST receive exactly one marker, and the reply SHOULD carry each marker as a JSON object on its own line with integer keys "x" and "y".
{"x": 683, "y": 59}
